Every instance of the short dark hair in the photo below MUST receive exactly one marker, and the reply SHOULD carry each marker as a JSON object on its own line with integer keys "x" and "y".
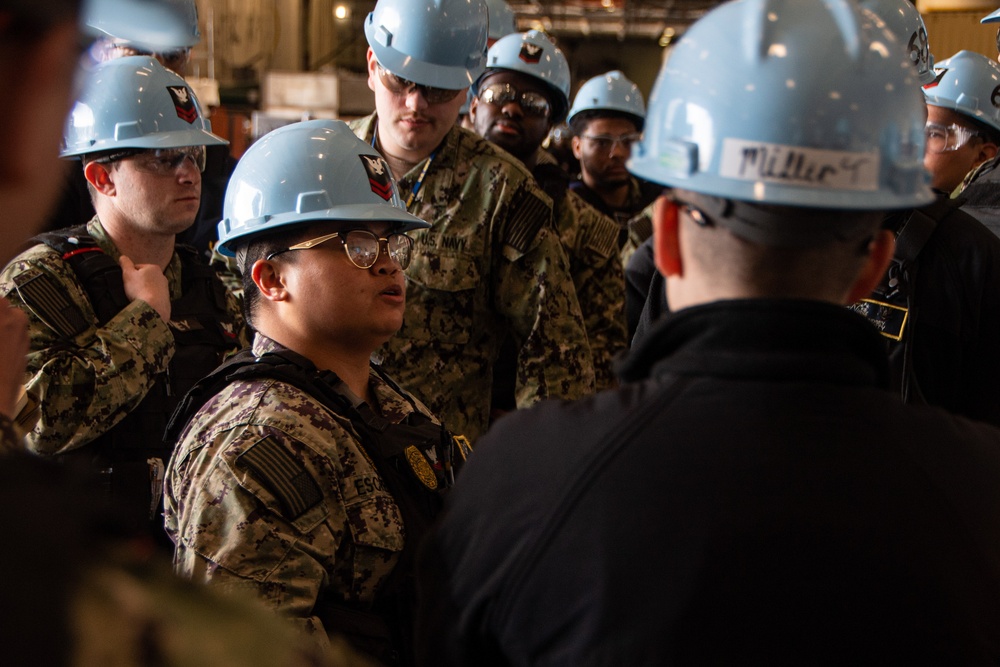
{"x": 260, "y": 247}
{"x": 581, "y": 121}
{"x": 988, "y": 133}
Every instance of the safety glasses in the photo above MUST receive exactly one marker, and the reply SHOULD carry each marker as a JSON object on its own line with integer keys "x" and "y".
{"x": 499, "y": 94}
{"x": 943, "y": 138}
{"x": 362, "y": 247}
{"x": 397, "y": 85}
{"x": 605, "y": 143}
{"x": 159, "y": 161}
{"x": 175, "y": 59}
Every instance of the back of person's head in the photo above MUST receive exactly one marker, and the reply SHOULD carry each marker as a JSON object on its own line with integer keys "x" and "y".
{"x": 609, "y": 95}
{"x": 784, "y": 133}
{"x": 743, "y": 118}
{"x": 438, "y": 43}
{"x": 299, "y": 176}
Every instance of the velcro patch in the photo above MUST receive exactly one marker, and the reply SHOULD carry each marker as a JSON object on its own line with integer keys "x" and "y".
{"x": 283, "y": 475}
{"x": 528, "y": 214}
{"x": 50, "y": 302}
{"x": 641, "y": 227}
{"x": 603, "y": 238}
{"x": 889, "y": 319}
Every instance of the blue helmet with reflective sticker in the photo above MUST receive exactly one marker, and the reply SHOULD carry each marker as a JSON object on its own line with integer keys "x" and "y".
{"x": 439, "y": 43}
{"x": 306, "y": 172}
{"x": 534, "y": 54}
{"x": 135, "y": 102}
{"x": 968, "y": 83}
{"x": 738, "y": 110}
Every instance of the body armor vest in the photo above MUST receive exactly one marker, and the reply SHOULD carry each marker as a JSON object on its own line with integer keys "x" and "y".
{"x": 894, "y": 307}
{"x": 131, "y": 456}
{"x": 399, "y": 454}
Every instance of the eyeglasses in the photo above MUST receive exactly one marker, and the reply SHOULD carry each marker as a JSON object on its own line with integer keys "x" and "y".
{"x": 943, "y": 138}
{"x": 159, "y": 161}
{"x": 605, "y": 143}
{"x": 363, "y": 247}
{"x": 397, "y": 85}
{"x": 175, "y": 59}
{"x": 531, "y": 103}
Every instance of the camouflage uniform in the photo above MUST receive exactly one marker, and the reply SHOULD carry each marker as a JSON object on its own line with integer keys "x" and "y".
{"x": 635, "y": 218}
{"x": 320, "y": 526}
{"x": 89, "y": 383}
{"x": 490, "y": 264}
{"x": 590, "y": 239}
{"x": 111, "y": 602}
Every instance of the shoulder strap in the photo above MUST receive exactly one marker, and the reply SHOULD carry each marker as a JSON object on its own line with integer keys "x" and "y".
{"x": 100, "y": 275}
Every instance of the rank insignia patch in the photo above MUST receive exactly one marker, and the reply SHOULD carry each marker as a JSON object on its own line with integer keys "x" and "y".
{"x": 530, "y": 53}
{"x": 378, "y": 175}
{"x": 183, "y": 103}
{"x": 940, "y": 72}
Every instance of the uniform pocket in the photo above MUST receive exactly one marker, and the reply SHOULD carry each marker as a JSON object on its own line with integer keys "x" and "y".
{"x": 441, "y": 298}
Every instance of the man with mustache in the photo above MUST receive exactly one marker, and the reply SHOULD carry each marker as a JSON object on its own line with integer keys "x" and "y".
{"x": 491, "y": 263}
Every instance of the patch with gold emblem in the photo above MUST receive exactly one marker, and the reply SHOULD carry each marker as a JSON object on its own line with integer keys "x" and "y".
{"x": 889, "y": 319}
{"x": 421, "y": 467}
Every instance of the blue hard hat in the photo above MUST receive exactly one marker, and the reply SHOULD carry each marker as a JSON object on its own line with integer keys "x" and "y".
{"x": 534, "y": 54}
{"x": 154, "y": 25}
{"x": 502, "y": 19}
{"x": 968, "y": 83}
{"x": 306, "y": 172}
{"x": 904, "y": 21}
{"x": 135, "y": 102}
{"x": 439, "y": 43}
{"x": 611, "y": 91}
{"x": 741, "y": 111}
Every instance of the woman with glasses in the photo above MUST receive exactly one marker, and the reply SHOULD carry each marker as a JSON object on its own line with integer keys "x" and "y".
{"x": 302, "y": 472}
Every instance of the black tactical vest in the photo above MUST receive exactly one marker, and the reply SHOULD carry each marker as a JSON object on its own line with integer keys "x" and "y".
{"x": 399, "y": 452}
{"x": 131, "y": 456}
{"x": 893, "y": 308}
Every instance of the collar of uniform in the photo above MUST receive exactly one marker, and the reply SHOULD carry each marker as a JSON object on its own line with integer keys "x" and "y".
{"x": 769, "y": 339}
{"x": 389, "y": 404}
{"x": 173, "y": 272}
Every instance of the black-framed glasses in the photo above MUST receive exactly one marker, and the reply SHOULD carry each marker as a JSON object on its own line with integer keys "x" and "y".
{"x": 159, "y": 161}
{"x": 363, "y": 247}
{"x": 397, "y": 85}
{"x": 606, "y": 143}
{"x": 531, "y": 103}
